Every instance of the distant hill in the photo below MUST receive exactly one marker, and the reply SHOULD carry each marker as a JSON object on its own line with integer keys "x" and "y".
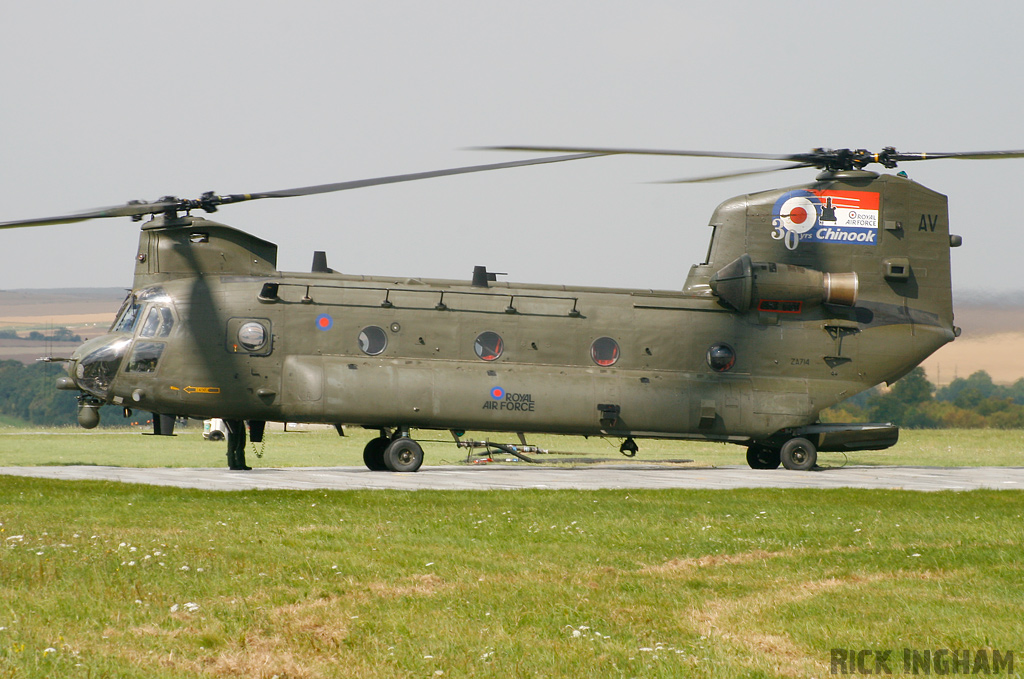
{"x": 992, "y": 339}
{"x": 86, "y": 312}
{"x": 58, "y": 302}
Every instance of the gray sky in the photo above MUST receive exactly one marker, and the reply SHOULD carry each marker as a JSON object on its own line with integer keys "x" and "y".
{"x": 106, "y": 101}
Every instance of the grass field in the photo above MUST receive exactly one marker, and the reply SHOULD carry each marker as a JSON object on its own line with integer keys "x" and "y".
{"x": 101, "y": 579}
{"x": 106, "y": 579}
{"x": 26, "y": 446}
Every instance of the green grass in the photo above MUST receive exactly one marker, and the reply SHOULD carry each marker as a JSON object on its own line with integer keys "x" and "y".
{"x": 7, "y": 421}
{"x": 106, "y": 579}
{"x": 20, "y": 446}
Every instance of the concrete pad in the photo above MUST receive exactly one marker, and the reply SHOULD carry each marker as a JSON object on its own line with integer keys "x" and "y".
{"x": 510, "y": 477}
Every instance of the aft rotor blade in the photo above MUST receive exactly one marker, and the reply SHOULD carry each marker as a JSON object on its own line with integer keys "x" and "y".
{"x": 608, "y": 151}
{"x": 962, "y": 155}
{"x": 822, "y": 158}
{"x": 730, "y": 175}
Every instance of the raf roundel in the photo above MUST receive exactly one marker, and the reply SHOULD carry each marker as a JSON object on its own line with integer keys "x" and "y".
{"x": 497, "y": 393}
{"x": 798, "y": 211}
{"x": 324, "y": 322}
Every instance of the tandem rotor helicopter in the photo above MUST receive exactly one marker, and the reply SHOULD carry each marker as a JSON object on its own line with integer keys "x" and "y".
{"x": 808, "y": 295}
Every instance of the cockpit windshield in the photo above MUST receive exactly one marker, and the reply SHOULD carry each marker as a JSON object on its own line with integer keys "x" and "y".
{"x": 128, "y": 316}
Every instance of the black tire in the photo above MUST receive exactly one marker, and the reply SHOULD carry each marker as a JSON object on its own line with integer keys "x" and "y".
{"x": 799, "y": 454}
{"x": 373, "y": 454}
{"x": 763, "y": 457}
{"x": 403, "y": 455}
{"x": 216, "y": 435}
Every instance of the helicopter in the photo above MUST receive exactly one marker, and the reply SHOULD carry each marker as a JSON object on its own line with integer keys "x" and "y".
{"x": 807, "y": 295}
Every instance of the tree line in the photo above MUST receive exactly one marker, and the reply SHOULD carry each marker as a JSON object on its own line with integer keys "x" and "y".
{"x": 28, "y": 393}
{"x": 58, "y": 335}
{"x": 974, "y": 402}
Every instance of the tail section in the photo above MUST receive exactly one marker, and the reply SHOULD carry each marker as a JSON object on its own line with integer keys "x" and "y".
{"x": 861, "y": 257}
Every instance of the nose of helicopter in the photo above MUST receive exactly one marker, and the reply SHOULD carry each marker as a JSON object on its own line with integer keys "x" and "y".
{"x": 94, "y": 365}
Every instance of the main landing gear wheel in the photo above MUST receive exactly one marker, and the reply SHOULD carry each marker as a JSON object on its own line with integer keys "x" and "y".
{"x": 373, "y": 454}
{"x": 798, "y": 454}
{"x": 763, "y": 457}
{"x": 403, "y": 455}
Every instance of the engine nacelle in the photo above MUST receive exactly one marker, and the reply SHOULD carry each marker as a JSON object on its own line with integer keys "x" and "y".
{"x": 768, "y": 286}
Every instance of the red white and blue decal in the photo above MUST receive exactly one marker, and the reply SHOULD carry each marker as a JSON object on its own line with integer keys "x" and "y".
{"x": 514, "y": 401}
{"x": 812, "y": 216}
{"x": 324, "y": 322}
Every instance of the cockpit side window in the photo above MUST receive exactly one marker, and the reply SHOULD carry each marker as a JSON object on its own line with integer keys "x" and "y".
{"x": 159, "y": 322}
{"x": 166, "y": 322}
{"x": 145, "y": 356}
{"x": 152, "y": 323}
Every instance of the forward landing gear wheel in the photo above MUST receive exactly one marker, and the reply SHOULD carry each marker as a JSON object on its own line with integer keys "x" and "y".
{"x": 763, "y": 457}
{"x": 798, "y": 454}
{"x": 403, "y": 455}
{"x": 373, "y": 454}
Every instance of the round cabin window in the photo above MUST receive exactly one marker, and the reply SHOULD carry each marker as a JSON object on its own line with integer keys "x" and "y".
{"x": 488, "y": 345}
{"x": 721, "y": 357}
{"x": 373, "y": 340}
{"x": 252, "y": 336}
{"x": 604, "y": 351}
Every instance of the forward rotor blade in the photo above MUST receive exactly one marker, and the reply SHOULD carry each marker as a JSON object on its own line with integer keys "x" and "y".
{"x": 210, "y": 202}
{"x": 362, "y": 183}
{"x": 730, "y": 175}
{"x": 127, "y": 210}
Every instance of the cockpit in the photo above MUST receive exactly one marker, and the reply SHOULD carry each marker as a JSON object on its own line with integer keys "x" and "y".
{"x": 149, "y": 314}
